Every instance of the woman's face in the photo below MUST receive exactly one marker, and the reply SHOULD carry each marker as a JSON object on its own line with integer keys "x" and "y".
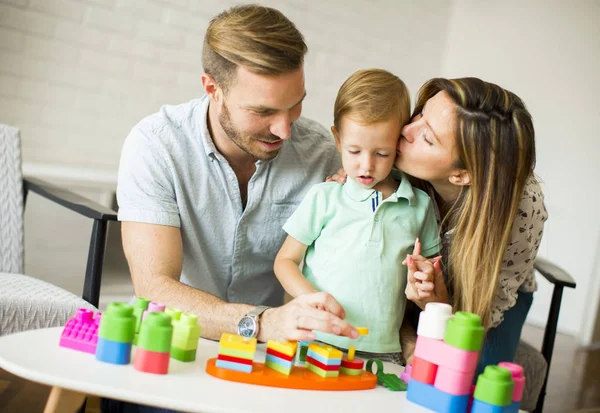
{"x": 426, "y": 149}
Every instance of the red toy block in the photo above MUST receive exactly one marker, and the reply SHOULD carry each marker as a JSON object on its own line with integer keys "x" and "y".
{"x": 322, "y": 366}
{"x": 356, "y": 364}
{"x": 81, "y": 332}
{"x": 443, "y": 354}
{"x": 151, "y": 361}
{"x": 234, "y": 359}
{"x": 453, "y": 382}
{"x": 423, "y": 371}
{"x": 280, "y": 355}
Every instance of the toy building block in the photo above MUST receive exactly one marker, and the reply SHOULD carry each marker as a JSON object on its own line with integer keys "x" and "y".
{"x": 186, "y": 333}
{"x": 302, "y": 350}
{"x": 434, "y": 399}
{"x": 465, "y": 331}
{"x": 518, "y": 378}
{"x": 154, "y": 344}
{"x": 115, "y": 334}
{"x": 423, "y": 371}
{"x": 405, "y": 376}
{"x": 494, "y": 391}
{"x": 81, "y": 332}
{"x": 236, "y": 352}
{"x": 175, "y": 313}
{"x": 154, "y": 307}
{"x": 280, "y": 356}
{"x": 323, "y": 360}
{"x": 140, "y": 305}
{"x": 434, "y": 320}
{"x": 352, "y": 367}
{"x": 388, "y": 380}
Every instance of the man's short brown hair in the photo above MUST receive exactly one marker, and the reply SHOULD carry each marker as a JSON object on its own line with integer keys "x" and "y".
{"x": 260, "y": 39}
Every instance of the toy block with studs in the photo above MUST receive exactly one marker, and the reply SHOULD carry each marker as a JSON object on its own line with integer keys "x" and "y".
{"x": 186, "y": 333}
{"x": 518, "y": 378}
{"x": 115, "y": 334}
{"x": 280, "y": 356}
{"x": 236, "y": 352}
{"x": 140, "y": 305}
{"x": 81, "y": 332}
{"x": 154, "y": 344}
{"x": 494, "y": 391}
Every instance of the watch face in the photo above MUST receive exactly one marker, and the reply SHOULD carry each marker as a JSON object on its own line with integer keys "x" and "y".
{"x": 247, "y": 327}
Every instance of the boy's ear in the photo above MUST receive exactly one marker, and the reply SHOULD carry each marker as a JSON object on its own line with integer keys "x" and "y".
{"x": 336, "y": 136}
{"x": 460, "y": 177}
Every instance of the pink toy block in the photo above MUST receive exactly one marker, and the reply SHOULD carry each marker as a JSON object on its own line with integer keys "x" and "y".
{"x": 442, "y": 354}
{"x": 154, "y": 307}
{"x": 518, "y": 377}
{"x": 81, "y": 332}
{"x": 405, "y": 376}
{"x": 454, "y": 382}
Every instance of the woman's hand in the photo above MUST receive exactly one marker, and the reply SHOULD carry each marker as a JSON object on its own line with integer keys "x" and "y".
{"x": 425, "y": 280}
{"x": 339, "y": 177}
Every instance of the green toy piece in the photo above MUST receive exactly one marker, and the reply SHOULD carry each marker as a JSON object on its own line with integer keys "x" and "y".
{"x": 465, "y": 331}
{"x": 388, "y": 380}
{"x": 156, "y": 333}
{"x": 495, "y": 386}
{"x": 175, "y": 313}
{"x": 117, "y": 323}
{"x": 139, "y": 306}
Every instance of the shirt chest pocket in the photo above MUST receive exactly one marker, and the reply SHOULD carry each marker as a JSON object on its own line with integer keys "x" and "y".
{"x": 272, "y": 229}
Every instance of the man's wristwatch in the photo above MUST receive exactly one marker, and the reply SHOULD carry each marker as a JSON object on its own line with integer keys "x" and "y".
{"x": 248, "y": 325}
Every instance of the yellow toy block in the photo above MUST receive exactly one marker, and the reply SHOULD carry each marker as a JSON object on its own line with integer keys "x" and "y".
{"x": 362, "y": 331}
{"x": 284, "y": 347}
{"x": 235, "y": 342}
{"x": 325, "y": 350}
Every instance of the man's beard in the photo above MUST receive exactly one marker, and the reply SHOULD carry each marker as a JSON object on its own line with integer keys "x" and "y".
{"x": 244, "y": 141}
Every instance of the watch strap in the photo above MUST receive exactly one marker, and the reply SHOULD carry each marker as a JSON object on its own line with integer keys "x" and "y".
{"x": 256, "y": 311}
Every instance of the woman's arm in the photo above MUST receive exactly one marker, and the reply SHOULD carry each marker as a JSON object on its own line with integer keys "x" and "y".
{"x": 287, "y": 269}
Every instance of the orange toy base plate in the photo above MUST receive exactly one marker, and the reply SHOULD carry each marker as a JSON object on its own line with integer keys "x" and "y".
{"x": 300, "y": 378}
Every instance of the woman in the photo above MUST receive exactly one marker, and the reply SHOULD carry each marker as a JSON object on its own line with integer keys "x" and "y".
{"x": 471, "y": 145}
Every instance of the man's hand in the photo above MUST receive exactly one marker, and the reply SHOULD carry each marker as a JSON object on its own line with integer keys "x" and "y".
{"x": 296, "y": 319}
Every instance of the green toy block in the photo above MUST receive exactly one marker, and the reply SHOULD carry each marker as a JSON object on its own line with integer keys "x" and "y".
{"x": 139, "y": 306}
{"x": 321, "y": 372}
{"x": 465, "y": 331}
{"x": 249, "y": 355}
{"x": 351, "y": 372}
{"x": 495, "y": 386}
{"x": 156, "y": 333}
{"x": 117, "y": 323}
{"x": 183, "y": 355}
{"x": 186, "y": 332}
{"x": 175, "y": 313}
{"x": 278, "y": 368}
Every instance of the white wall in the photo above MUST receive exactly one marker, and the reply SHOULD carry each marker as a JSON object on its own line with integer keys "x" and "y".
{"x": 549, "y": 54}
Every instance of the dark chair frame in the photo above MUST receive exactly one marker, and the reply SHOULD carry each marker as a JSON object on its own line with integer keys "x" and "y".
{"x": 99, "y": 213}
{"x": 561, "y": 279}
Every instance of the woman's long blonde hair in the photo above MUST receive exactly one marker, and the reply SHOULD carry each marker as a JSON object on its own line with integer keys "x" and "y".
{"x": 496, "y": 144}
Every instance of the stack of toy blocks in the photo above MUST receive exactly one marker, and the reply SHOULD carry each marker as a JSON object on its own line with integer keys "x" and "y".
{"x": 497, "y": 388}
{"x": 186, "y": 333}
{"x": 154, "y": 344}
{"x": 140, "y": 306}
{"x": 115, "y": 334}
{"x": 280, "y": 356}
{"x": 323, "y": 360}
{"x": 236, "y": 352}
{"x": 81, "y": 332}
{"x": 445, "y": 359}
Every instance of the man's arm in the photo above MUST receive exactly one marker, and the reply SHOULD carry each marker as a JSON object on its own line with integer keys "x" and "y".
{"x": 155, "y": 257}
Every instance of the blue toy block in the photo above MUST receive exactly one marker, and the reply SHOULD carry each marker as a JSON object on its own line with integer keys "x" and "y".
{"x": 433, "y": 399}
{"x": 230, "y": 365}
{"x": 324, "y": 360}
{"x": 483, "y": 407}
{"x": 113, "y": 352}
{"x": 512, "y": 408}
{"x": 279, "y": 361}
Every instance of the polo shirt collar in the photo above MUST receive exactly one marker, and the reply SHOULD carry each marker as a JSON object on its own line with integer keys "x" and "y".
{"x": 360, "y": 194}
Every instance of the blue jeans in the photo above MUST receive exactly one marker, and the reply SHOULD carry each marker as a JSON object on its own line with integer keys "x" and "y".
{"x": 501, "y": 342}
{"x": 117, "y": 406}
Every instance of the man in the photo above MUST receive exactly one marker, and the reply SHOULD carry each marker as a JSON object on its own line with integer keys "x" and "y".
{"x": 205, "y": 187}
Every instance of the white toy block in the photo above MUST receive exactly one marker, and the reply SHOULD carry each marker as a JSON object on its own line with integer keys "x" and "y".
{"x": 434, "y": 320}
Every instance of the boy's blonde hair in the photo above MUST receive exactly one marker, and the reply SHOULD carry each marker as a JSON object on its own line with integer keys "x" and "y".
{"x": 372, "y": 95}
{"x": 260, "y": 39}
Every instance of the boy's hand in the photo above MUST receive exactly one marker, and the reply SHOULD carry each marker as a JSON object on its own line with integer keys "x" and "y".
{"x": 296, "y": 320}
{"x": 339, "y": 177}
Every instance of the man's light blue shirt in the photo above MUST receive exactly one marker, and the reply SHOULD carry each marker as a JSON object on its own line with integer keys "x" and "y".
{"x": 172, "y": 174}
{"x": 356, "y": 244}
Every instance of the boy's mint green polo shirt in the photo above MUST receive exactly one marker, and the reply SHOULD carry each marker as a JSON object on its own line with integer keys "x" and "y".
{"x": 356, "y": 244}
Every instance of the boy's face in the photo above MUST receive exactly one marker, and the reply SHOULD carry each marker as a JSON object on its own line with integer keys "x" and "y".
{"x": 368, "y": 150}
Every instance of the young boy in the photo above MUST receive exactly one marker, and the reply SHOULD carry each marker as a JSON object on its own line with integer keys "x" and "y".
{"x": 352, "y": 238}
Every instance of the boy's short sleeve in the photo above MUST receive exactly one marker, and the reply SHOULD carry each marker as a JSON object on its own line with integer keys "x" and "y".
{"x": 145, "y": 190}
{"x": 430, "y": 234}
{"x": 308, "y": 220}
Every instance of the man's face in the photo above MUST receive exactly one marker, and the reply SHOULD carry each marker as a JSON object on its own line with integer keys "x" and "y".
{"x": 257, "y": 112}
